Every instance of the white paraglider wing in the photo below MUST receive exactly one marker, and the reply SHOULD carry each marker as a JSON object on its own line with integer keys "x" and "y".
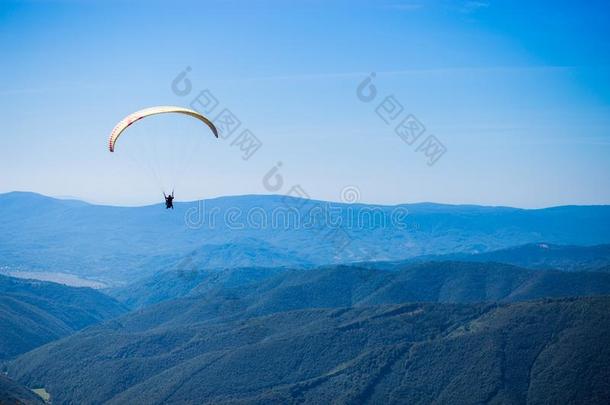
{"x": 138, "y": 115}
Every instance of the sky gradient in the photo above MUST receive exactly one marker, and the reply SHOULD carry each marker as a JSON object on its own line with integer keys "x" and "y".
{"x": 518, "y": 94}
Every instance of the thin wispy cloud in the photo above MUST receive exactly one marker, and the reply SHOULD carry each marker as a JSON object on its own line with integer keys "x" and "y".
{"x": 52, "y": 89}
{"x": 408, "y": 6}
{"x": 472, "y": 6}
{"x": 404, "y": 72}
{"x": 32, "y": 90}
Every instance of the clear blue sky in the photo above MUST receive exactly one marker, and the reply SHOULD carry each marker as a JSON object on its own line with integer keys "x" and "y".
{"x": 519, "y": 94}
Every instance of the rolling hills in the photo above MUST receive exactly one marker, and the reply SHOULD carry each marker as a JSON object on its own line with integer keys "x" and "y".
{"x": 405, "y": 353}
{"x": 344, "y": 332}
{"x": 350, "y": 285}
{"x": 33, "y": 313}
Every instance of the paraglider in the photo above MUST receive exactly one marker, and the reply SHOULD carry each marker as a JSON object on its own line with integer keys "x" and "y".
{"x": 169, "y": 200}
{"x": 120, "y": 128}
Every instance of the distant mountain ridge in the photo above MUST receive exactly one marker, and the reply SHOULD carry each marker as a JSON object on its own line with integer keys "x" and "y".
{"x": 549, "y": 256}
{"x": 532, "y": 256}
{"x": 119, "y": 244}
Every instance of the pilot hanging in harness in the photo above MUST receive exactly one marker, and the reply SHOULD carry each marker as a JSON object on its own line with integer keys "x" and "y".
{"x": 169, "y": 200}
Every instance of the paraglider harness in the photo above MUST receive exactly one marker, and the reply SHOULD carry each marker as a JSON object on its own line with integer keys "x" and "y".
{"x": 169, "y": 200}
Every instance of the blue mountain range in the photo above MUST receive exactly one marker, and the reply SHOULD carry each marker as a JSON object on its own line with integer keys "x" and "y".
{"x": 121, "y": 244}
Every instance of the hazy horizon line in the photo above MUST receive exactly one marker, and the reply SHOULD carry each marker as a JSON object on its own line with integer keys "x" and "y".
{"x": 144, "y": 205}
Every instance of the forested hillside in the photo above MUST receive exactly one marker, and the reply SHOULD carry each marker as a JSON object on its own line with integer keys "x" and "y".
{"x": 349, "y": 285}
{"x": 535, "y": 352}
{"x": 33, "y": 312}
{"x": 13, "y": 393}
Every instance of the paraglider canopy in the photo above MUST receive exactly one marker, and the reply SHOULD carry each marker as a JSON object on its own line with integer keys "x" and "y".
{"x": 163, "y": 157}
{"x": 138, "y": 115}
